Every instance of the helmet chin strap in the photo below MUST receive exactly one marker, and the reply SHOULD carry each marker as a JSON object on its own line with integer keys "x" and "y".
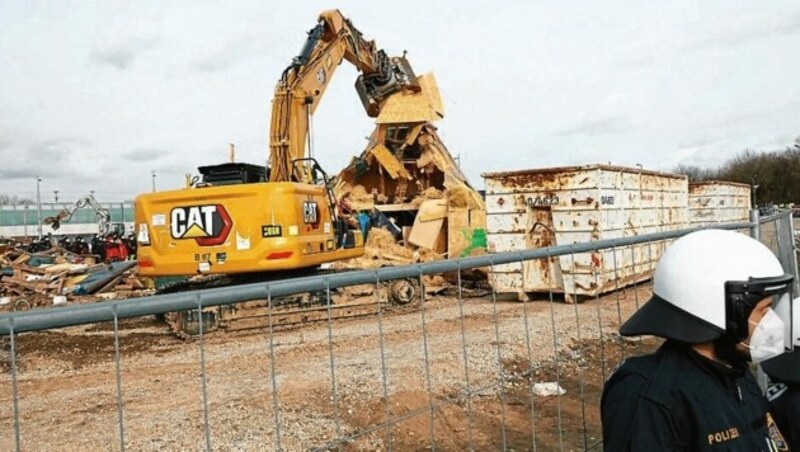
{"x": 726, "y": 347}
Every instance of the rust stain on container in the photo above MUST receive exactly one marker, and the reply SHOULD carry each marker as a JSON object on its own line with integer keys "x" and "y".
{"x": 713, "y": 202}
{"x": 566, "y": 205}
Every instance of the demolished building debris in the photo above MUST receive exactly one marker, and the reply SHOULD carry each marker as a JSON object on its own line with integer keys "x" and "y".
{"x": 407, "y": 173}
{"x": 40, "y": 279}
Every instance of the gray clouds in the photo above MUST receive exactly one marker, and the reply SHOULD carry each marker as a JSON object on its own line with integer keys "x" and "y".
{"x": 771, "y": 27}
{"x": 603, "y": 126}
{"x": 56, "y": 150}
{"x": 121, "y": 55}
{"x": 23, "y": 172}
{"x": 165, "y": 87}
{"x": 144, "y": 155}
{"x": 49, "y": 157}
{"x": 221, "y": 59}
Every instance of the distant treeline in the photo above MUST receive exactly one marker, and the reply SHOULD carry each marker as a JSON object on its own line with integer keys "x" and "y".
{"x": 776, "y": 173}
{"x": 14, "y": 199}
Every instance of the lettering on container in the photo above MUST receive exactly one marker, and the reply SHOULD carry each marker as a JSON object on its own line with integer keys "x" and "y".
{"x": 546, "y": 200}
{"x": 607, "y": 200}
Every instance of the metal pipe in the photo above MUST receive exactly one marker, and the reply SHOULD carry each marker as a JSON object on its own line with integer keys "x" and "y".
{"x": 159, "y": 304}
{"x": 38, "y": 208}
{"x": 755, "y": 229}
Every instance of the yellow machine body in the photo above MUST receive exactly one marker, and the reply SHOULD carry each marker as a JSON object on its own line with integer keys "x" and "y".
{"x": 243, "y": 228}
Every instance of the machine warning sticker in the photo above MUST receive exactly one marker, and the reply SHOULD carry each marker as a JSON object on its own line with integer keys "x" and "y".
{"x": 159, "y": 219}
{"x": 208, "y": 225}
{"x": 271, "y": 230}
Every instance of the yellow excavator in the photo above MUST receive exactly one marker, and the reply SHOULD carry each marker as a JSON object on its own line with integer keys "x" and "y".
{"x": 237, "y": 221}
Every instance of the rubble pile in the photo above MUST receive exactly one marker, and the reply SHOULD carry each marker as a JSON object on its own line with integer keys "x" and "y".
{"x": 407, "y": 174}
{"x": 56, "y": 276}
{"x": 382, "y": 250}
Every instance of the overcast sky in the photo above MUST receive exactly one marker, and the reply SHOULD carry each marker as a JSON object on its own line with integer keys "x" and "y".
{"x": 95, "y": 95}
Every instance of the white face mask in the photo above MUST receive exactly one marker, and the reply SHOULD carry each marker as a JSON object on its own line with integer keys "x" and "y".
{"x": 767, "y": 340}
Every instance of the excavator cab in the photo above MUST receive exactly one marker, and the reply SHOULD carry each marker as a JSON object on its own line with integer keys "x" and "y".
{"x": 117, "y": 229}
{"x": 232, "y": 174}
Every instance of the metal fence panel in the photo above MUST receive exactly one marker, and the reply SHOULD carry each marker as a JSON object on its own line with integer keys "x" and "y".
{"x": 461, "y": 370}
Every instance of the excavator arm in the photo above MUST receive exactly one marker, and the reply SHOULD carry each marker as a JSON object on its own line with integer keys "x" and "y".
{"x": 303, "y": 84}
{"x": 65, "y": 215}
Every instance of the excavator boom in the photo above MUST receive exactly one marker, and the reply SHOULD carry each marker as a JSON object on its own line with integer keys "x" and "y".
{"x": 65, "y": 215}
{"x": 303, "y": 83}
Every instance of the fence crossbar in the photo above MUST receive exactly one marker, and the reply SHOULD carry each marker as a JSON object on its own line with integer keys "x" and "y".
{"x": 37, "y": 320}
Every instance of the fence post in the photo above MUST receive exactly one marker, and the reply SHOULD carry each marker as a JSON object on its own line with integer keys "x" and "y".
{"x": 755, "y": 232}
{"x": 755, "y": 229}
{"x": 25, "y": 220}
{"x": 793, "y": 248}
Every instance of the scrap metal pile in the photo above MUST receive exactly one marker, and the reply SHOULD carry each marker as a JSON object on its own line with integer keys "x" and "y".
{"x": 56, "y": 276}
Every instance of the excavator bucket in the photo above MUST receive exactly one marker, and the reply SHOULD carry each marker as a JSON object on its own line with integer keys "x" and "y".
{"x": 374, "y": 90}
{"x": 52, "y": 222}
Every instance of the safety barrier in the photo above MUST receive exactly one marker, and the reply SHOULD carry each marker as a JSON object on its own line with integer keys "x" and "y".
{"x": 461, "y": 369}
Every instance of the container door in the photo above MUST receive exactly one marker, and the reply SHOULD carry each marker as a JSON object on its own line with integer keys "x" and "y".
{"x": 541, "y": 275}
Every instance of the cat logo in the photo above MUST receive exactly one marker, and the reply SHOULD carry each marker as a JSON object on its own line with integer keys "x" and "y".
{"x": 310, "y": 212}
{"x": 208, "y": 225}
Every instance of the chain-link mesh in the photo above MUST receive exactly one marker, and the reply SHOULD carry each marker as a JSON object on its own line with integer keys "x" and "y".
{"x": 458, "y": 367}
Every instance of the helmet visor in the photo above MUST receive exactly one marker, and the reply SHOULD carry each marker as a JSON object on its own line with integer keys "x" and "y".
{"x": 788, "y": 309}
{"x": 743, "y": 296}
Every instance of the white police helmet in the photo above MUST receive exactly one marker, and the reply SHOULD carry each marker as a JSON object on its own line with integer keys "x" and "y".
{"x": 707, "y": 284}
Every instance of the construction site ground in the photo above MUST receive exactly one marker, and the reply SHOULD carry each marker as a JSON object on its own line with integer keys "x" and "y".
{"x": 67, "y": 382}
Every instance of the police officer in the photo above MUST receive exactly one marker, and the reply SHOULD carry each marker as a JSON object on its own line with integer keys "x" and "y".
{"x": 784, "y": 391}
{"x": 716, "y": 300}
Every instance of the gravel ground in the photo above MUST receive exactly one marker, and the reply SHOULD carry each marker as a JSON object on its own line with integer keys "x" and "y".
{"x": 67, "y": 381}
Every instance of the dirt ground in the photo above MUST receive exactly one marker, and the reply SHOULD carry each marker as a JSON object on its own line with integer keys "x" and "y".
{"x": 68, "y": 399}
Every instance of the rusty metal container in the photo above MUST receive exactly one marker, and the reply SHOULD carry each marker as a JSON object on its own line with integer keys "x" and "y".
{"x": 714, "y": 202}
{"x": 559, "y": 206}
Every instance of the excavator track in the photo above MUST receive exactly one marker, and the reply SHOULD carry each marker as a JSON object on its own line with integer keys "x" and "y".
{"x": 288, "y": 312}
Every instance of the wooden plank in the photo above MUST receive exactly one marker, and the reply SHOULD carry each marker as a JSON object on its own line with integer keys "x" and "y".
{"x": 389, "y": 162}
{"x": 428, "y": 230}
{"x": 408, "y": 107}
{"x": 403, "y": 207}
{"x": 110, "y": 285}
{"x": 432, "y": 210}
{"x": 458, "y": 231}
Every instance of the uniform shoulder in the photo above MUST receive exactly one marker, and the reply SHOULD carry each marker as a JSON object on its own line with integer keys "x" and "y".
{"x": 639, "y": 367}
{"x": 656, "y": 375}
{"x": 629, "y": 378}
{"x": 632, "y": 420}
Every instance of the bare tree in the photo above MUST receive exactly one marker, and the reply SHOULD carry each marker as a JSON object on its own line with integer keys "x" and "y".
{"x": 695, "y": 173}
{"x": 777, "y": 173}
{"x": 13, "y": 199}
